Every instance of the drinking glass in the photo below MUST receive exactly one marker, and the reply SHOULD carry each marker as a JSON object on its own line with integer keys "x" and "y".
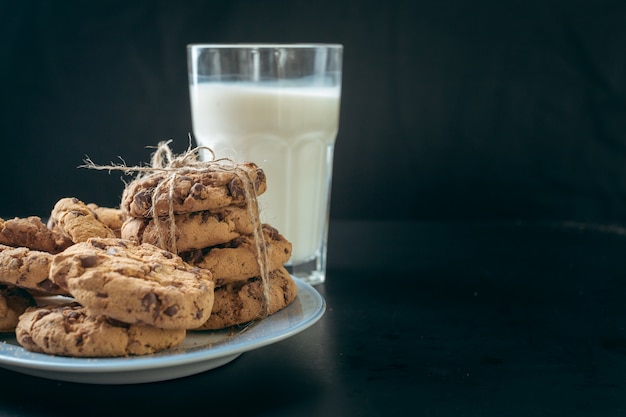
{"x": 276, "y": 105}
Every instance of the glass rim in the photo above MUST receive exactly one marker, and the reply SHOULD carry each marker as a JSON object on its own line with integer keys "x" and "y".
{"x": 264, "y": 45}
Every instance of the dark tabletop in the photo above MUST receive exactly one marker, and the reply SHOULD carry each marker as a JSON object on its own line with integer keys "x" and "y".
{"x": 424, "y": 319}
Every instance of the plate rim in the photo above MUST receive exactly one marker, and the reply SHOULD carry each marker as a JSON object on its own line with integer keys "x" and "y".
{"x": 59, "y": 364}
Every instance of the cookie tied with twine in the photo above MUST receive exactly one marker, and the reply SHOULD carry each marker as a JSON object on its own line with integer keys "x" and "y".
{"x": 184, "y": 184}
{"x": 179, "y": 184}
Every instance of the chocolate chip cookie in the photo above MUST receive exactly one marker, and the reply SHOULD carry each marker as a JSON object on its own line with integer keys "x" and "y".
{"x": 194, "y": 191}
{"x": 13, "y": 302}
{"x": 30, "y": 232}
{"x": 74, "y": 330}
{"x": 242, "y": 302}
{"x": 135, "y": 283}
{"x": 74, "y": 219}
{"x": 237, "y": 260}
{"x": 196, "y": 230}
{"x": 28, "y": 269}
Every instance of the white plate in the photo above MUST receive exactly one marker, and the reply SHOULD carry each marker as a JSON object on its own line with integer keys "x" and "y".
{"x": 199, "y": 352}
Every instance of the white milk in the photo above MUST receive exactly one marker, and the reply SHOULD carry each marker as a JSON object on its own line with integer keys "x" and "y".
{"x": 290, "y": 133}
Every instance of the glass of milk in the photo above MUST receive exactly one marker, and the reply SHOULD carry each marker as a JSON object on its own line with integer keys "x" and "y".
{"x": 276, "y": 105}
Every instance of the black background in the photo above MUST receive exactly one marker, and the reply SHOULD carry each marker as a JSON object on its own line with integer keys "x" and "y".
{"x": 451, "y": 109}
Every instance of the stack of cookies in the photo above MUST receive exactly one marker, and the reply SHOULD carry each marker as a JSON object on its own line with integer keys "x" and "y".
{"x": 206, "y": 218}
{"x": 191, "y": 255}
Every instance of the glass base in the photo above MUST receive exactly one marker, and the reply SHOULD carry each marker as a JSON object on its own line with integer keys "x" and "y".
{"x": 312, "y": 272}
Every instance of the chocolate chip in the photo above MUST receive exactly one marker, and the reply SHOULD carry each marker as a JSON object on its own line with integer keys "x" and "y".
{"x": 171, "y": 310}
{"x": 88, "y": 261}
{"x": 97, "y": 244}
{"x": 27, "y": 340}
{"x": 168, "y": 255}
{"x": 149, "y": 300}
{"x": 143, "y": 200}
{"x": 72, "y": 316}
{"x": 198, "y": 192}
{"x": 235, "y": 188}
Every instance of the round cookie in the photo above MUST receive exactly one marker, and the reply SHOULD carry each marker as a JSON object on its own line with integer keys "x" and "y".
{"x": 13, "y": 302}
{"x": 28, "y": 269}
{"x": 192, "y": 191}
{"x": 30, "y": 232}
{"x": 242, "y": 302}
{"x": 135, "y": 283}
{"x": 237, "y": 260}
{"x": 73, "y": 218}
{"x": 73, "y": 330}
{"x": 196, "y": 230}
